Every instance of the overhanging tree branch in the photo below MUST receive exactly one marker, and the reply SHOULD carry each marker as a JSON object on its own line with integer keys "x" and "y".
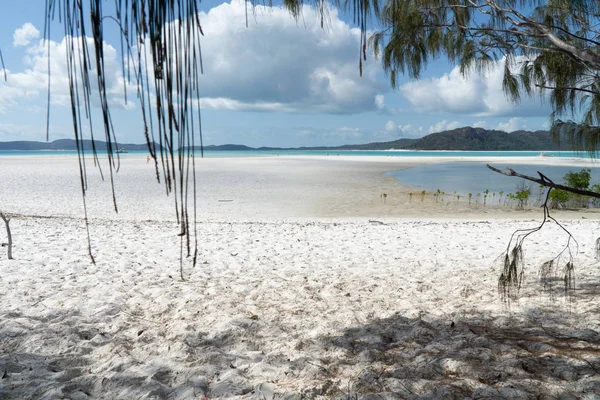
{"x": 513, "y": 271}
{"x": 577, "y": 89}
{"x": 582, "y": 38}
{"x": 545, "y": 181}
{"x": 555, "y": 43}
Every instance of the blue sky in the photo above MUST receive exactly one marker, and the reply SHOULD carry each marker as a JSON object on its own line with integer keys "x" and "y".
{"x": 274, "y": 83}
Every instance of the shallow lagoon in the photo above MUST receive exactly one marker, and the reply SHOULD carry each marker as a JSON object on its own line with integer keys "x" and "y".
{"x": 464, "y": 177}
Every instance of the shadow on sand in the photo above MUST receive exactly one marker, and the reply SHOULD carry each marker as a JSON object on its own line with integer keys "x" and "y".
{"x": 544, "y": 353}
{"x": 538, "y": 355}
{"x": 66, "y": 355}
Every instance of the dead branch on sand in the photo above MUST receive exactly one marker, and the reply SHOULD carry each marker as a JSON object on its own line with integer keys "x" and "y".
{"x": 9, "y": 244}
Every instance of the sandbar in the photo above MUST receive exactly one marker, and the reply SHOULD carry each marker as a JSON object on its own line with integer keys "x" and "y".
{"x": 308, "y": 286}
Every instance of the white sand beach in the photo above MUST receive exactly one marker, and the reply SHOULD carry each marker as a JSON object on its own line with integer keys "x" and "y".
{"x": 308, "y": 286}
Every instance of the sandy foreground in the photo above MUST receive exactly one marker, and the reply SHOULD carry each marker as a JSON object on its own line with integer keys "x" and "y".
{"x": 308, "y": 286}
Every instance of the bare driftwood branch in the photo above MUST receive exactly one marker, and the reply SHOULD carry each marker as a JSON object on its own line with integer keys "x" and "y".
{"x": 545, "y": 181}
{"x": 6, "y": 223}
{"x": 511, "y": 278}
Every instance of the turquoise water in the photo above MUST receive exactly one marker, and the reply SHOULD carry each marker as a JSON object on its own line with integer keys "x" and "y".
{"x": 266, "y": 153}
{"x": 464, "y": 177}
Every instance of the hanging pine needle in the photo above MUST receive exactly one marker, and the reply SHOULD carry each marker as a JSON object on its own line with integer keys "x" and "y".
{"x": 160, "y": 55}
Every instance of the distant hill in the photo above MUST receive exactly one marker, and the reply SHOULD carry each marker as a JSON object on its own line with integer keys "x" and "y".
{"x": 467, "y": 138}
{"x": 226, "y": 147}
{"x": 403, "y": 143}
{"x": 65, "y": 144}
{"x": 480, "y": 139}
{"x": 396, "y": 144}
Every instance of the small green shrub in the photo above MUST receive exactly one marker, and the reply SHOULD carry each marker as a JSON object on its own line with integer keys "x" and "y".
{"x": 522, "y": 196}
{"x": 558, "y": 198}
{"x": 578, "y": 180}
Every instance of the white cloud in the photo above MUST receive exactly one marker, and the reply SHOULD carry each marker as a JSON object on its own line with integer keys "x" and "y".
{"x": 513, "y": 124}
{"x": 305, "y": 133}
{"x": 346, "y": 133}
{"x": 222, "y": 103}
{"x": 329, "y": 137}
{"x": 479, "y": 93}
{"x": 480, "y": 124}
{"x": 273, "y": 65}
{"x": 391, "y": 127}
{"x": 445, "y": 125}
{"x": 380, "y": 102}
{"x": 11, "y": 131}
{"x": 450, "y": 93}
{"x": 25, "y": 34}
{"x": 32, "y": 83}
{"x": 28, "y": 131}
{"x": 394, "y": 130}
{"x": 276, "y": 64}
{"x": 409, "y": 129}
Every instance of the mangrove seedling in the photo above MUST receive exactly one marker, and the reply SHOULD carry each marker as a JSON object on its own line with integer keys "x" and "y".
{"x": 384, "y": 196}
